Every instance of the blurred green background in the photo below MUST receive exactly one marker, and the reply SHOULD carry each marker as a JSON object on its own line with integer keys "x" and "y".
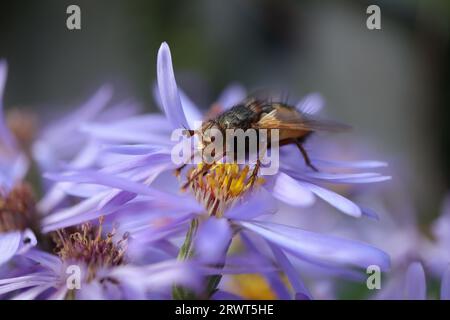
{"x": 392, "y": 84}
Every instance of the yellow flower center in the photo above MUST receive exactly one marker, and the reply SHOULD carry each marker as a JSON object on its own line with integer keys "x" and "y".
{"x": 220, "y": 185}
{"x": 251, "y": 286}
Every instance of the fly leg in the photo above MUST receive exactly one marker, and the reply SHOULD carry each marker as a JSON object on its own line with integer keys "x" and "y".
{"x": 204, "y": 170}
{"x": 207, "y": 165}
{"x": 188, "y": 133}
{"x": 254, "y": 174}
{"x": 197, "y": 174}
{"x": 179, "y": 169}
{"x": 305, "y": 156}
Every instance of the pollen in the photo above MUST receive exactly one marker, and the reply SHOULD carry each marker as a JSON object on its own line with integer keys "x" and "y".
{"x": 220, "y": 185}
{"x": 17, "y": 208}
{"x": 89, "y": 246}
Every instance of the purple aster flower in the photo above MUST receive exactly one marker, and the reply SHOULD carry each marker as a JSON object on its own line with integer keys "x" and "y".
{"x": 90, "y": 264}
{"x": 63, "y": 143}
{"x": 16, "y": 198}
{"x": 13, "y": 163}
{"x": 58, "y": 145}
{"x": 225, "y": 199}
{"x": 325, "y": 251}
{"x": 295, "y": 184}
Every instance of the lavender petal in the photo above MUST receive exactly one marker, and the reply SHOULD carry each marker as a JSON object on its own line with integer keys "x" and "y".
{"x": 415, "y": 283}
{"x": 295, "y": 280}
{"x": 9, "y": 245}
{"x": 315, "y": 246}
{"x": 292, "y": 192}
{"x": 445, "y": 285}
{"x": 341, "y": 203}
{"x": 168, "y": 89}
{"x": 213, "y": 251}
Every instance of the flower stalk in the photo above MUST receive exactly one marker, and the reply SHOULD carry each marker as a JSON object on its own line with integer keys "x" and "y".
{"x": 186, "y": 252}
{"x": 211, "y": 282}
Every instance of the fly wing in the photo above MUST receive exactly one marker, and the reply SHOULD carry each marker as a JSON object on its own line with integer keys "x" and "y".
{"x": 285, "y": 118}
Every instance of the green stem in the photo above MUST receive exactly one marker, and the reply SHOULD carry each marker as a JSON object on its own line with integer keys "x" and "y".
{"x": 186, "y": 252}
